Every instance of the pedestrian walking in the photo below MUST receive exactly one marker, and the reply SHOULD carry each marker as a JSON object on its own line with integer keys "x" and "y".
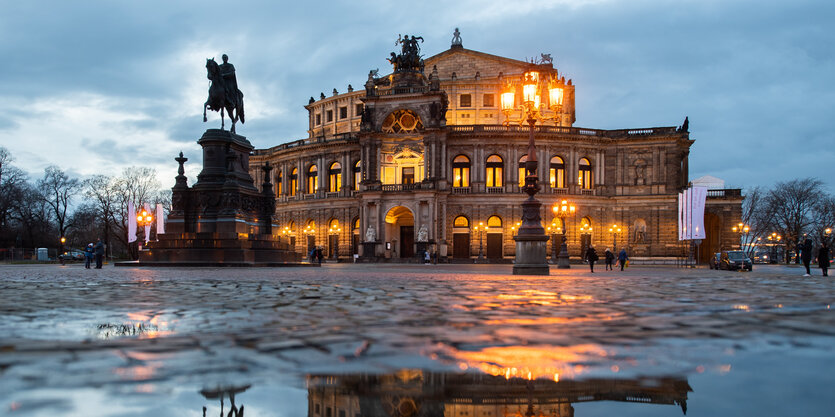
{"x": 591, "y": 257}
{"x": 610, "y": 259}
{"x": 823, "y": 259}
{"x": 88, "y": 255}
{"x": 312, "y": 255}
{"x": 319, "y": 255}
{"x": 806, "y": 256}
{"x": 99, "y": 250}
{"x": 622, "y": 258}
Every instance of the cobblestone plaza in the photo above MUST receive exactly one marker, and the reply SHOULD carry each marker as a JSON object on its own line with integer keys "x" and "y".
{"x": 132, "y": 341}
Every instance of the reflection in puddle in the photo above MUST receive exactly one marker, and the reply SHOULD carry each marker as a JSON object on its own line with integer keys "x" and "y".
{"x": 415, "y": 393}
{"x": 220, "y": 393}
{"x": 110, "y": 330}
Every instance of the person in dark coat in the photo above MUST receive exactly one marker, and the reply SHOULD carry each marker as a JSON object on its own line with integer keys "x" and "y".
{"x": 88, "y": 255}
{"x": 806, "y": 256}
{"x": 99, "y": 248}
{"x": 823, "y": 259}
{"x": 319, "y": 255}
{"x": 610, "y": 259}
{"x": 591, "y": 257}
{"x": 622, "y": 258}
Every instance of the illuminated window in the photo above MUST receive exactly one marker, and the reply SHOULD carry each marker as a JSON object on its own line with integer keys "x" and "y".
{"x": 488, "y": 100}
{"x": 584, "y": 179}
{"x": 495, "y": 167}
{"x": 408, "y": 175}
{"x": 335, "y": 177}
{"x": 466, "y": 100}
{"x": 461, "y": 171}
{"x": 357, "y": 175}
{"x": 402, "y": 121}
{"x": 461, "y": 221}
{"x": 312, "y": 174}
{"x": 357, "y": 223}
{"x": 278, "y": 180}
{"x": 294, "y": 181}
{"x": 495, "y": 221}
{"x": 333, "y": 224}
{"x": 522, "y": 161}
{"x": 557, "y": 173}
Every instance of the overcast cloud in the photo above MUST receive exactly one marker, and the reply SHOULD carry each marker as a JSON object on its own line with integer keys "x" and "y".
{"x": 94, "y": 86}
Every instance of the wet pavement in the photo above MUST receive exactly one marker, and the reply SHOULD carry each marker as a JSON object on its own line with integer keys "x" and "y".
{"x": 414, "y": 340}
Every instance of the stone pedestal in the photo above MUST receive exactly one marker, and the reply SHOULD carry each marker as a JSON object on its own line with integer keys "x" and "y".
{"x": 531, "y": 255}
{"x": 222, "y": 220}
{"x": 369, "y": 250}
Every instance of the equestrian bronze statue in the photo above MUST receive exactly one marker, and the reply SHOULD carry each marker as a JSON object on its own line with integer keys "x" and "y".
{"x": 224, "y": 93}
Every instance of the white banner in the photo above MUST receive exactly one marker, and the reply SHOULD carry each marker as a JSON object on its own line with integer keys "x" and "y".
{"x": 160, "y": 220}
{"x": 148, "y": 225}
{"x": 691, "y": 213}
{"x": 131, "y": 222}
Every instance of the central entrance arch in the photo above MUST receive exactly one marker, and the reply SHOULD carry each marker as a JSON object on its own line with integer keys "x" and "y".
{"x": 400, "y": 231}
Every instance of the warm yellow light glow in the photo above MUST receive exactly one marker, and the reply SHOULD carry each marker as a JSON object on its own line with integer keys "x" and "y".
{"x": 529, "y": 94}
{"x": 63, "y": 239}
{"x": 508, "y": 99}
{"x": 555, "y": 95}
{"x": 139, "y": 218}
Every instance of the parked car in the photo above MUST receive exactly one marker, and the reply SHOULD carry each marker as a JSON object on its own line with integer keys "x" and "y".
{"x": 713, "y": 263}
{"x": 72, "y": 255}
{"x": 735, "y": 260}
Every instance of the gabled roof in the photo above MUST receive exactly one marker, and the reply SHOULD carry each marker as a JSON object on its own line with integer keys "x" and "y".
{"x": 476, "y": 54}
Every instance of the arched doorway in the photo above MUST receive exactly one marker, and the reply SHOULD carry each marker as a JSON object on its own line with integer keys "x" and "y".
{"x": 494, "y": 237}
{"x": 712, "y": 242}
{"x": 400, "y": 231}
{"x": 461, "y": 238}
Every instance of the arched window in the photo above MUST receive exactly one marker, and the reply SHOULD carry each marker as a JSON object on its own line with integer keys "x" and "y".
{"x": 461, "y": 221}
{"x": 357, "y": 176}
{"x": 294, "y": 181}
{"x": 522, "y": 161}
{"x": 356, "y": 224}
{"x": 333, "y": 226}
{"x": 557, "y": 172}
{"x": 461, "y": 171}
{"x": 494, "y": 221}
{"x": 584, "y": 179}
{"x": 278, "y": 180}
{"x": 402, "y": 121}
{"x": 335, "y": 177}
{"x": 495, "y": 166}
{"x": 585, "y": 225}
{"x": 312, "y": 184}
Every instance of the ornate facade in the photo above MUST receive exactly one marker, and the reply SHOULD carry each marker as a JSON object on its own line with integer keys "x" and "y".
{"x": 425, "y": 158}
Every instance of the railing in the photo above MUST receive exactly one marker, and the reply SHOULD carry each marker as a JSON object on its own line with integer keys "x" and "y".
{"x": 495, "y": 190}
{"x": 308, "y": 196}
{"x": 349, "y": 137}
{"x": 405, "y": 187}
{"x": 584, "y": 191}
{"x": 725, "y": 193}
{"x": 460, "y": 190}
{"x": 400, "y": 90}
{"x": 564, "y": 130}
{"x": 559, "y": 190}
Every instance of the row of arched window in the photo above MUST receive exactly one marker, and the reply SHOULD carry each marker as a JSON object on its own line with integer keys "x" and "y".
{"x": 334, "y": 179}
{"x": 494, "y": 176}
{"x": 496, "y": 222}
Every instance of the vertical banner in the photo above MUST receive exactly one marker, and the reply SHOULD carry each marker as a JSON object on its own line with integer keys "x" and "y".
{"x": 699, "y": 196}
{"x": 680, "y": 216}
{"x": 131, "y": 222}
{"x": 160, "y": 220}
{"x": 148, "y": 227}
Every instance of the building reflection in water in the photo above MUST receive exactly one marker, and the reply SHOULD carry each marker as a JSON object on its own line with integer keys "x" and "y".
{"x": 220, "y": 393}
{"x": 415, "y": 393}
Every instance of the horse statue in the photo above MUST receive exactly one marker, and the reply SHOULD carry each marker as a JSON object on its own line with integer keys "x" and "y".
{"x": 219, "y": 99}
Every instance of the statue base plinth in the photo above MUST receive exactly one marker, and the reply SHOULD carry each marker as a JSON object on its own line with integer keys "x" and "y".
{"x": 531, "y": 256}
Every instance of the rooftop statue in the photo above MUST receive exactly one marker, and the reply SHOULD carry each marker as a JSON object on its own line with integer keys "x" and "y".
{"x": 409, "y": 57}
{"x": 456, "y": 39}
{"x": 224, "y": 93}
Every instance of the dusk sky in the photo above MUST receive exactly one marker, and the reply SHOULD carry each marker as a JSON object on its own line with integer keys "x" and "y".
{"x": 94, "y": 86}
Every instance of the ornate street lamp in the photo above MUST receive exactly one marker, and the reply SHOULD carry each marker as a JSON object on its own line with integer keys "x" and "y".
{"x": 143, "y": 219}
{"x": 743, "y": 234}
{"x": 615, "y": 231}
{"x": 531, "y": 239}
{"x": 333, "y": 231}
{"x": 480, "y": 229}
{"x": 554, "y": 229}
{"x": 563, "y": 210}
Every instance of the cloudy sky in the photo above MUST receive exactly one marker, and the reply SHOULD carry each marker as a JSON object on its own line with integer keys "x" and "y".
{"x": 94, "y": 86}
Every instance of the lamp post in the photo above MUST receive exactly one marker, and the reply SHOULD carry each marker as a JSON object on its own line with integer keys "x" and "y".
{"x": 481, "y": 229}
{"x": 563, "y": 210}
{"x": 531, "y": 239}
{"x": 143, "y": 219}
{"x": 554, "y": 229}
{"x": 615, "y": 231}
{"x": 743, "y": 233}
{"x": 333, "y": 232}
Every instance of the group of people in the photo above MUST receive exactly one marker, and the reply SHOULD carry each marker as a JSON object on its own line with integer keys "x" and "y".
{"x": 94, "y": 251}
{"x": 316, "y": 255}
{"x": 823, "y": 255}
{"x": 591, "y": 257}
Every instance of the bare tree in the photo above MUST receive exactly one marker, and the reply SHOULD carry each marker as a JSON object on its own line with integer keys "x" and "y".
{"x": 57, "y": 190}
{"x": 12, "y": 182}
{"x": 756, "y": 214}
{"x": 137, "y": 185}
{"x": 102, "y": 190}
{"x": 824, "y": 220}
{"x": 792, "y": 204}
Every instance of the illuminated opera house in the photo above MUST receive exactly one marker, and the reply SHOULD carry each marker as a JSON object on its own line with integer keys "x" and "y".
{"x": 432, "y": 159}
